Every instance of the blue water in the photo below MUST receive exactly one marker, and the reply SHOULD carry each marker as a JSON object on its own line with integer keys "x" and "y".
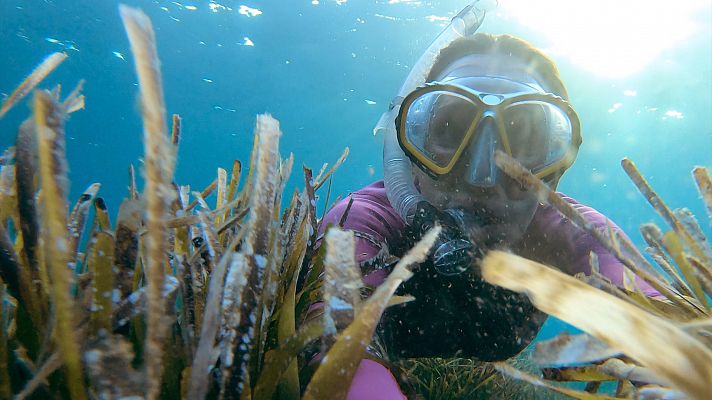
{"x": 319, "y": 67}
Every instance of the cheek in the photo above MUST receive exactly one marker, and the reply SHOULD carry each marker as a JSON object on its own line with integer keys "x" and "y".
{"x": 431, "y": 190}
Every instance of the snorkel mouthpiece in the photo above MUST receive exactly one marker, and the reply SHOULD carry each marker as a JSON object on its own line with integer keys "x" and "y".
{"x": 398, "y": 179}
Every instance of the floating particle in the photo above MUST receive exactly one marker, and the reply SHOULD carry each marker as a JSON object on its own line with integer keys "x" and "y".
{"x": 53, "y": 40}
{"x": 215, "y": 7}
{"x": 191, "y": 8}
{"x": 175, "y": 19}
{"x": 615, "y": 107}
{"x": 72, "y": 47}
{"x": 207, "y": 80}
{"x": 435, "y": 18}
{"x": 178, "y": 4}
{"x": 673, "y": 114}
{"x": 630, "y": 93}
{"x": 164, "y": 9}
{"x": 249, "y": 11}
{"x": 118, "y": 55}
{"x": 370, "y": 102}
{"x": 371, "y": 170}
{"x": 248, "y": 42}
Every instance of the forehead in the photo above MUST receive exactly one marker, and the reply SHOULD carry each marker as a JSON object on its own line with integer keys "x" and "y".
{"x": 496, "y": 64}
{"x": 495, "y": 84}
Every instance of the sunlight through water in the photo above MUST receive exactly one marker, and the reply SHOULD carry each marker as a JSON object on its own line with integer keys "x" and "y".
{"x": 610, "y": 38}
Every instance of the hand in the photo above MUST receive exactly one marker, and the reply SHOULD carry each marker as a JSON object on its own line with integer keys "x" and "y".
{"x": 453, "y": 253}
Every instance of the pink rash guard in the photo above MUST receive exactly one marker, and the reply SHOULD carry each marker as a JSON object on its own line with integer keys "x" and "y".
{"x": 551, "y": 239}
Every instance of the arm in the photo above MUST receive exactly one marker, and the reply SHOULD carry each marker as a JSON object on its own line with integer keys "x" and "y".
{"x": 570, "y": 246}
{"x": 374, "y": 222}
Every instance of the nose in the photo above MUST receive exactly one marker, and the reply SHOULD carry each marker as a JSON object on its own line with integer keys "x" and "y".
{"x": 482, "y": 170}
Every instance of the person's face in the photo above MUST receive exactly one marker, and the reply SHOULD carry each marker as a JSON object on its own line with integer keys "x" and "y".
{"x": 504, "y": 205}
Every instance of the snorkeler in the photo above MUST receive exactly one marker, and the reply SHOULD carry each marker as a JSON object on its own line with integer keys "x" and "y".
{"x": 469, "y": 96}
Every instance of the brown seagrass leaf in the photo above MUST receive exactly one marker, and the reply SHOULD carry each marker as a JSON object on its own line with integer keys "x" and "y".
{"x": 659, "y": 205}
{"x": 49, "y": 124}
{"x": 101, "y": 263}
{"x": 686, "y": 363}
{"x": 520, "y": 375}
{"x": 26, "y": 161}
{"x": 333, "y": 377}
{"x": 641, "y": 267}
{"x": 342, "y": 280}
{"x": 568, "y": 349}
{"x": 704, "y": 185}
{"x": 77, "y": 219}
{"x": 128, "y": 224}
{"x": 40, "y": 72}
{"x": 159, "y": 164}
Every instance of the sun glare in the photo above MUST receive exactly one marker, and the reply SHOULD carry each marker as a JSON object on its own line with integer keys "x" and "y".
{"x": 611, "y": 38}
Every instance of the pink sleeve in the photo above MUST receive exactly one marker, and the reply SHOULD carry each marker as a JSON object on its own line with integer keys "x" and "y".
{"x": 565, "y": 234}
{"x": 373, "y": 220}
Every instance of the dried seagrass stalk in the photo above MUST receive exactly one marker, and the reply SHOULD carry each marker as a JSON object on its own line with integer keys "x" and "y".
{"x": 40, "y": 72}
{"x": 627, "y": 371}
{"x": 342, "y": 280}
{"x": 203, "y": 195}
{"x": 77, "y": 219}
{"x": 673, "y": 246}
{"x": 512, "y": 168}
{"x": 49, "y": 123}
{"x": 338, "y": 367}
{"x": 662, "y": 209}
{"x": 654, "y": 238}
{"x": 133, "y": 189}
{"x": 53, "y": 363}
{"x": 101, "y": 263}
{"x": 686, "y": 363}
{"x": 256, "y": 248}
{"x": 222, "y": 194}
{"x": 704, "y": 185}
{"x": 25, "y": 169}
{"x": 321, "y": 179}
{"x": 207, "y": 353}
{"x": 234, "y": 184}
{"x": 231, "y": 309}
{"x": 159, "y": 167}
{"x": 75, "y": 101}
{"x": 517, "y": 374}
{"x": 688, "y": 220}
{"x": 176, "y": 130}
{"x": 102, "y": 215}
{"x": 568, "y": 349}
{"x": 128, "y": 224}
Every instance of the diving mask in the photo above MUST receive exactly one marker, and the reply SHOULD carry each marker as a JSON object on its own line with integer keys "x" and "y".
{"x": 441, "y": 122}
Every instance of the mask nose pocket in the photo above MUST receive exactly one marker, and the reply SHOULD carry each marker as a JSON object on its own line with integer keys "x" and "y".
{"x": 482, "y": 169}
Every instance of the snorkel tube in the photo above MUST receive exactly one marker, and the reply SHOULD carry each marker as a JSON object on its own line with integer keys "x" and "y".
{"x": 398, "y": 177}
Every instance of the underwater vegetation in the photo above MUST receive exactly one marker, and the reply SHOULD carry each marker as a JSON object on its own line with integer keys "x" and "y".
{"x": 190, "y": 294}
{"x": 651, "y": 347}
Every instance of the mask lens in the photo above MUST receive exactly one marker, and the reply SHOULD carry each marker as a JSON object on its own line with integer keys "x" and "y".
{"x": 539, "y": 133}
{"x": 437, "y": 123}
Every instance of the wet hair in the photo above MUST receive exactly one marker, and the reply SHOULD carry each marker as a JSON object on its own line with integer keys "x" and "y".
{"x": 537, "y": 64}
